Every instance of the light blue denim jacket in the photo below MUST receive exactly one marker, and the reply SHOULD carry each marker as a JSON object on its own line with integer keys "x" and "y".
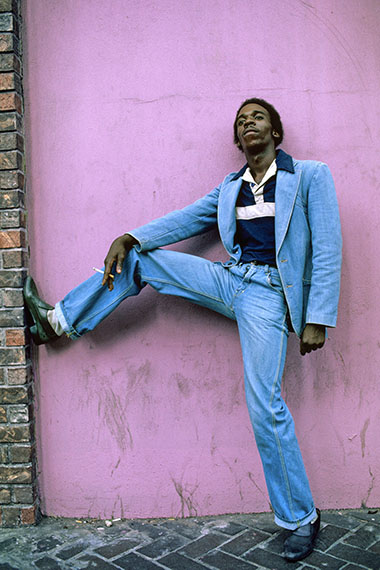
{"x": 307, "y": 232}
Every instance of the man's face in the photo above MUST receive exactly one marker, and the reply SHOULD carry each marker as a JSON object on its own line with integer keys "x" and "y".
{"x": 254, "y": 129}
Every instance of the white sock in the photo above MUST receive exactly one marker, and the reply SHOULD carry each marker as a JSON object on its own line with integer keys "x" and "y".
{"x": 54, "y": 322}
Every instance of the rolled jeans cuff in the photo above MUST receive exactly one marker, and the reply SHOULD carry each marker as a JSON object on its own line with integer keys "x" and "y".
{"x": 68, "y": 330}
{"x": 294, "y": 525}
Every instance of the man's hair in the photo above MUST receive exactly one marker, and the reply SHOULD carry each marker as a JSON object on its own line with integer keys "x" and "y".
{"x": 275, "y": 119}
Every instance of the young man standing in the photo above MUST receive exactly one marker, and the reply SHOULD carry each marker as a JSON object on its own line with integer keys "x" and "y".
{"x": 278, "y": 220}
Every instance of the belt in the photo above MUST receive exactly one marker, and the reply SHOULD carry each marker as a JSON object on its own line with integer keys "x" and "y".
{"x": 257, "y": 262}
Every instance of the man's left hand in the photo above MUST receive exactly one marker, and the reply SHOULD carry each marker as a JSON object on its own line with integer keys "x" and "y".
{"x": 313, "y": 337}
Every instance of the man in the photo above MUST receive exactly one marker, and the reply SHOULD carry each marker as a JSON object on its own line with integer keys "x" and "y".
{"x": 278, "y": 220}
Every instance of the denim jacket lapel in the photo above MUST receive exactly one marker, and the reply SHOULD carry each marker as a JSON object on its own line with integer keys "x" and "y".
{"x": 226, "y": 213}
{"x": 287, "y": 184}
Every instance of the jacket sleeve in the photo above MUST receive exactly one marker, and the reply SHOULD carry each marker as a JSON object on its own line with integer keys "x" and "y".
{"x": 178, "y": 225}
{"x": 326, "y": 243}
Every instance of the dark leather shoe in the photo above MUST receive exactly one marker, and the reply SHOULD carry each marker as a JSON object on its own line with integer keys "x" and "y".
{"x": 297, "y": 547}
{"x": 36, "y": 310}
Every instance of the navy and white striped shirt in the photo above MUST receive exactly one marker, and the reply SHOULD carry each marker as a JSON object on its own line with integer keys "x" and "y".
{"x": 255, "y": 212}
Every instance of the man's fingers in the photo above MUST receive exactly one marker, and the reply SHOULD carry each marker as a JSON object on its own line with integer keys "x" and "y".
{"x": 120, "y": 261}
{"x": 108, "y": 263}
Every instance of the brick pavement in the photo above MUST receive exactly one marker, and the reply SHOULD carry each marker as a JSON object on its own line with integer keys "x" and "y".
{"x": 348, "y": 540}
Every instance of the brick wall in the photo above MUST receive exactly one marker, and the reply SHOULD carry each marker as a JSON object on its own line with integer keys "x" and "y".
{"x": 18, "y": 498}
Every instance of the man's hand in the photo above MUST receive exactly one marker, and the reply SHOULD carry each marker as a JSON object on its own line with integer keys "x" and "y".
{"x": 313, "y": 337}
{"x": 116, "y": 254}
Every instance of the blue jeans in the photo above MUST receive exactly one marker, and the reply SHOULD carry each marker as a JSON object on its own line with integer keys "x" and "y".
{"x": 250, "y": 294}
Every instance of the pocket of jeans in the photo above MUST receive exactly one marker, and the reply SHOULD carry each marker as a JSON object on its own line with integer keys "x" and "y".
{"x": 274, "y": 280}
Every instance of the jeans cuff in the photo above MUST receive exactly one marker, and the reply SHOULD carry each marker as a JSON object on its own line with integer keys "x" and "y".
{"x": 68, "y": 330}
{"x": 294, "y": 525}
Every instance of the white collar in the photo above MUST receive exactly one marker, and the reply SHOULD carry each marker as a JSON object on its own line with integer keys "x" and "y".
{"x": 247, "y": 176}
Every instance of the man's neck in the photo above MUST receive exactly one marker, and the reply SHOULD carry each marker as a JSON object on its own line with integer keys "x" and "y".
{"x": 260, "y": 162}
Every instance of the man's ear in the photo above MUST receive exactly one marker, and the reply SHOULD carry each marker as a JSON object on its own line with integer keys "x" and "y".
{"x": 275, "y": 134}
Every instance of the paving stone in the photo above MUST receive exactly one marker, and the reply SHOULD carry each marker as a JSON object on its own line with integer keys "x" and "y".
{"x": 71, "y": 550}
{"x": 134, "y": 562}
{"x": 48, "y": 544}
{"x": 364, "y": 537}
{"x": 338, "y": 518}
{"x": 263, "y": 521}
{"x": 225, "y": 561}
{"x": 163, "y": 545}
{"x": 47, "y": 563}
{"x": 190, "y": 529}
{"x": 322, "y": 560}
{"x": 328, "y": 535}
{"x": 276, "y": 544}
{"x": 366, "y": 515}
{"x": 153, "y": 531}
{"x": 8, "y": 544}
{"x": 375, "y": 547}
{"x": 178, "y": 562}
{"x": 226, "y": 527}
{"x": 96, "y": 563}
{"x": 119, "y": 547}
{"x": 202, "y": 545}
{"x": 359, "y": 556}
{"x": 269, "y": 560}
{"x": 353, "y": 567}
{"x": 7, "y": 566}
{"x": 245, "y": 542}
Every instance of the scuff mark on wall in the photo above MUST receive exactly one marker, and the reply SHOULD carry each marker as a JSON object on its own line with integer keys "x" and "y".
{"x": 363, "y": 432}
{"x": 370, "y": 488}
{"x": 185, "y": 493}
{"x": 113, "y": 413}
{"x": 250, "y": 476}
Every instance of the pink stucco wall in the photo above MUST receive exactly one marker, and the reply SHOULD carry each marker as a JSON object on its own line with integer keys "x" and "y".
{"x": 129, "y": 115}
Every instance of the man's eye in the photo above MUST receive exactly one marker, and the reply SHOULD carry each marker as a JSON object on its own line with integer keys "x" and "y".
{"x": 241, "y": 122}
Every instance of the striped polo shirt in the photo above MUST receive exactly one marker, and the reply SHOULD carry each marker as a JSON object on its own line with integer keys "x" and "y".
{"x": 255, "y": 212}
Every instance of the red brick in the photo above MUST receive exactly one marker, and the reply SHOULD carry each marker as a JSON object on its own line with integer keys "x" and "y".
{"x": 14, "y": 434}
{"x": 12, "y": 238}
{"x": 7, "y": 81}
{"x": 14, "y": 395}
{"x": 15, "y": 475}
{"x": 10, "y": 102}
{"x": 15, "y": 337}
{"x": 29, "y": 515}
{"x": 8, "y": 42}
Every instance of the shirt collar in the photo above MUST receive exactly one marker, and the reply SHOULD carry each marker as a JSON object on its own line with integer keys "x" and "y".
{"x": 283, "y": 160}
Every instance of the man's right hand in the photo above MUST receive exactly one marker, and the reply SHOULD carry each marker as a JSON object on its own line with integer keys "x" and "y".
{"x": 116, "y": 254}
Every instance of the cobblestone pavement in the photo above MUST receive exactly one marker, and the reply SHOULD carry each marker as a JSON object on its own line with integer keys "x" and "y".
{"x": 348, "y": 539}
